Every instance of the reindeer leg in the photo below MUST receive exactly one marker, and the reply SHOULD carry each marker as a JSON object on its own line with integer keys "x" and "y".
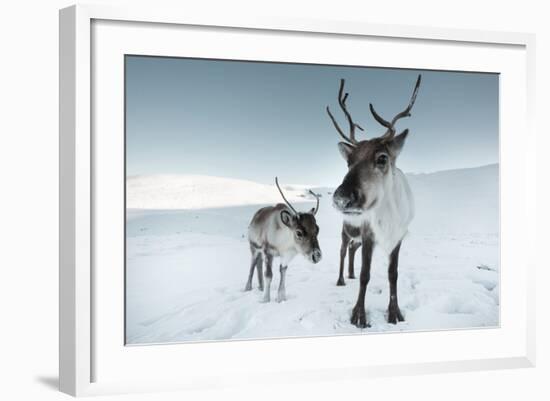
{"x": 281, "y": 295}
{"x": 253, "y": 251}
{"x": 343, "y": 251}
{"x": 359, "y": 315}
{"x": 351, "y": 258}
{"x": 260, "y": 272}
{"x": 394, "y": 314}
{"x": 268, "y": 276}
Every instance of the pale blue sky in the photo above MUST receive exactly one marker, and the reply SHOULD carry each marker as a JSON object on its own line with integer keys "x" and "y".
{"x": 253, "y": 120}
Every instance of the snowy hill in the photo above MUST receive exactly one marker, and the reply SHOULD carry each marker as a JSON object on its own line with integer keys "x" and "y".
{"x": 452, "y": 200}
{"x": 163, "y": 192}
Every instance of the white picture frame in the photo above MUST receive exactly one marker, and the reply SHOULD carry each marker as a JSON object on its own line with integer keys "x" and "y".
{"x": 88, "y": 343}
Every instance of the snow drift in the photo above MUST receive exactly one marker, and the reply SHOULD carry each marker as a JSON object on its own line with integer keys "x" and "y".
{"x": 188, "y": 259}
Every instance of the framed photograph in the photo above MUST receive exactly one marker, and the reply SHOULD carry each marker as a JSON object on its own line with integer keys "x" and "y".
{"x": 300, "y": 200}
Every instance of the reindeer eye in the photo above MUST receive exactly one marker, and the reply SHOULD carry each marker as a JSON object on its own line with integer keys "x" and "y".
{"x": 299, "y": 234}
{"x": 381, "y": 160}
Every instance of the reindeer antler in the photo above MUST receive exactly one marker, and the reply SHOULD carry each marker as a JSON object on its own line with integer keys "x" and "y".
{"x": 352, "y": 125}
{"x": 281, "y": 192}
{"x": 390, "y": 133}
{"x": 316, "y": 197}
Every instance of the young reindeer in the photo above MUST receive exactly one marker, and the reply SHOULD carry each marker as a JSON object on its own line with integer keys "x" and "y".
{"x": 375, "y": 199}
{"x": 281, "y": 231}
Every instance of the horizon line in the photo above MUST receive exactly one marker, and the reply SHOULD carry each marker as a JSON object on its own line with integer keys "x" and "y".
{"x": 409, "y": 173}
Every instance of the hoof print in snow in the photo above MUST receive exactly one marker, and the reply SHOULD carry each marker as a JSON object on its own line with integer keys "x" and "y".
{"x": 485, "y": 267}
{"x": 375, "y": 290}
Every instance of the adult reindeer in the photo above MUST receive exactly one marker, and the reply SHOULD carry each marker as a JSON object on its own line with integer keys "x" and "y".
{"x": 375, "y": 199}
{"x": 281, "y": 231}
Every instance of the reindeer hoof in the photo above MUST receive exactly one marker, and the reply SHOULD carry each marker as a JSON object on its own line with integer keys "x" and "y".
{"x": 261, "y": 288}
{"x": 359, "y": 317}
{"x": 394, "y": 315}
{"x": 340, "y": 282}
{"x": 351, "y": 276}
{"x": 248, "y": 287}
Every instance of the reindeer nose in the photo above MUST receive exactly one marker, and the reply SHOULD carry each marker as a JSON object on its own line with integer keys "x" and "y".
{"x": 316, "y": 256}
{"x": 344, "y": 199}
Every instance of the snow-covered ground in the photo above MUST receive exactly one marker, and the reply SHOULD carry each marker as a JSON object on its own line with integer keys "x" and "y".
{"x": 188, "y": 260}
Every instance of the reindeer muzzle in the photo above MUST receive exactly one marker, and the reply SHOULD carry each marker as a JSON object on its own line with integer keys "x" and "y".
{"x": 347, "y": 200}
{"x": 316, "y": 256}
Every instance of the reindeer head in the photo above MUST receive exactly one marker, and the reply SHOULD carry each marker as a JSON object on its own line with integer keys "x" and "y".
{"x": 371, "y": 163}
{"x": 304, "y": 228}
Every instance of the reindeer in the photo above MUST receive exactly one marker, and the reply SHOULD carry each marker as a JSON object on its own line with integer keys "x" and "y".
{"x": 375, "y": 200}
{"x": 281, "y": 231}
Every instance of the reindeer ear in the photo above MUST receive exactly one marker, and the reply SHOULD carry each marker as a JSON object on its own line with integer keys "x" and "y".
{"x": 398, "y": 142}
{"x": 287, "y": 218}
{"x": 345, "y": 149}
